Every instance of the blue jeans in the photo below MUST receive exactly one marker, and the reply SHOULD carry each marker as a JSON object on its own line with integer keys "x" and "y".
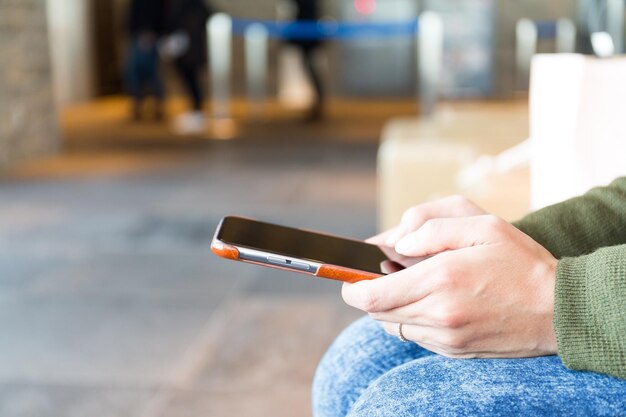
{"x": 143, "y": 72}
{"x": 368, "y": 373}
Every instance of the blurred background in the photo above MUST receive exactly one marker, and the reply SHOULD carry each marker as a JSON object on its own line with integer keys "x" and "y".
{"x": 127, "y": 130}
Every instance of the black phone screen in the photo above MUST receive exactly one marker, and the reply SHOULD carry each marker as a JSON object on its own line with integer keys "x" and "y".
{"x": 303, "y": 244}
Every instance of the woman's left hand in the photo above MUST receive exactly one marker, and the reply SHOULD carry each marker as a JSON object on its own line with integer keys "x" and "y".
{"x": 488, "y": 291}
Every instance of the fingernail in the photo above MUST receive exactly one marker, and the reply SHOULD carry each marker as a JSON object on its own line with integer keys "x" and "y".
{"x": 404, "y": 245}
{"x": 393, "y": 239}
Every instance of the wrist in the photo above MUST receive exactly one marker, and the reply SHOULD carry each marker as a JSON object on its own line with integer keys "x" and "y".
{"x": 548, "y": 277}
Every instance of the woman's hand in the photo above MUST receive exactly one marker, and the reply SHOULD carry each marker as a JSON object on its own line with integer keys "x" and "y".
{"x": 415, "y": 217}
{"x": 488, "y": 291}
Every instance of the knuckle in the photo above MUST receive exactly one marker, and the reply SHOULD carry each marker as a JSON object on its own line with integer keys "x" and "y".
{"x": 467, "y": 205}
{"x": 463, "y": 205}
{"x": 493, "y": 222}
{"x": 459, "y": 200}
{"x": 450, "y": 314}
{"x": 367, "y": 300}
{"x": 430, "y": 226}
{"x": 448, "y": 278}
{"x": 452, "y": 319}
{"x": 413, "y": 216}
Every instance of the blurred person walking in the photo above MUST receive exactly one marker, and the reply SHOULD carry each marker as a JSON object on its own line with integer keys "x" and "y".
{"x": 308, "y": 11}
{"x": 143, "y": 74}
{"x": 186, "y": 46}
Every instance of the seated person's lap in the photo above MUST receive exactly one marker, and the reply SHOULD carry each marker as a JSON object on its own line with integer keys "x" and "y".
{"x": 367, "y": 372}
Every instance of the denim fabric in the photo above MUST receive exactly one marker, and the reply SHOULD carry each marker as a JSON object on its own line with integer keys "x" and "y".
{"x": 368, "y": 373}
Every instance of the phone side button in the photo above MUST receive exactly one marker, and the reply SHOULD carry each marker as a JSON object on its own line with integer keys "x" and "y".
{"x": 276, "y": 261}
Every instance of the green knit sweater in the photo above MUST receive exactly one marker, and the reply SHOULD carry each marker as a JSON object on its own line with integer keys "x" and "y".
{"x": 587, "y": 235}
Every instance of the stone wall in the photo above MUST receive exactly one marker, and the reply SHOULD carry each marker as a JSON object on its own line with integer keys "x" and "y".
{"x": 27, "y": 115}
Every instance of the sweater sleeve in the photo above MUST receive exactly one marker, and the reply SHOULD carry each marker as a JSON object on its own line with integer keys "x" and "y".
{"x": 588, "y": 236}
{"x": 590, "y": 311}
{"x": 581, "y": 225}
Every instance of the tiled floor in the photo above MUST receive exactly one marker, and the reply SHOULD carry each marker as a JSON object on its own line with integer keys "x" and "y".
{"x": 111, "y": 305}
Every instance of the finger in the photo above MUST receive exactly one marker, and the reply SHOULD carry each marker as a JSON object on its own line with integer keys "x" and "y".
{"x": 381, "y": 238}
{"x": 421, "y": 320}
{"x": 404, "y": 287}
{"x": 438, "y": 235}
{"x": 450, "y": 344}
{"x": 432, "y": 311}
{"x": 415, "y": 217}
{"x": 435, "y": 340}
{"x": 392, "y": 330}
{"x": 390, "y": 267}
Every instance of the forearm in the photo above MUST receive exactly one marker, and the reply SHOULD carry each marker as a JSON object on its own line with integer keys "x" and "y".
{"x": 583, "y": 224}
{"x": 590, "y": 311}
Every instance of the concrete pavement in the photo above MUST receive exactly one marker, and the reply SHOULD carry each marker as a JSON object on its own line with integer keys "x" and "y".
{"x": 111, "y": 305}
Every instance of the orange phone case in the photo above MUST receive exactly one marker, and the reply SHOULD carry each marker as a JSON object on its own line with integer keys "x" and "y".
{"x": 335, "y": 272}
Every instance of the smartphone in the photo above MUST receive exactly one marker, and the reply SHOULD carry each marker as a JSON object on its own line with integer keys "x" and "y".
{"x": 314, "y": 253}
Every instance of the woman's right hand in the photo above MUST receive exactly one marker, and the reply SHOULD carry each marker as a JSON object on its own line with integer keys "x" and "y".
{"x": 415, "y": 217}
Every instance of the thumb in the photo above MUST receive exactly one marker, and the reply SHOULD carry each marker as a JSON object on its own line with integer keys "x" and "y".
{"x": 438, "y": 235}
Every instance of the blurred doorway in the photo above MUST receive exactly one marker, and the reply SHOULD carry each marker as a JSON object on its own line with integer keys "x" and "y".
{"x": 87, "y": 43}
{"x": 108, "y": 40}
{"x": 365, "y": 62}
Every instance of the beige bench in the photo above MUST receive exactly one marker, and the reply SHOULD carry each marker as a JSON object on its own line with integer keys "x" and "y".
{"x": 420, "y": 159}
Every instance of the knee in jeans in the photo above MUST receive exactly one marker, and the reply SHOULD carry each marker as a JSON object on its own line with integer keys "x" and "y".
{"x": 343, "y": 372}
{"x": 415, "y": 389}
{"x": 434, "y": 385}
